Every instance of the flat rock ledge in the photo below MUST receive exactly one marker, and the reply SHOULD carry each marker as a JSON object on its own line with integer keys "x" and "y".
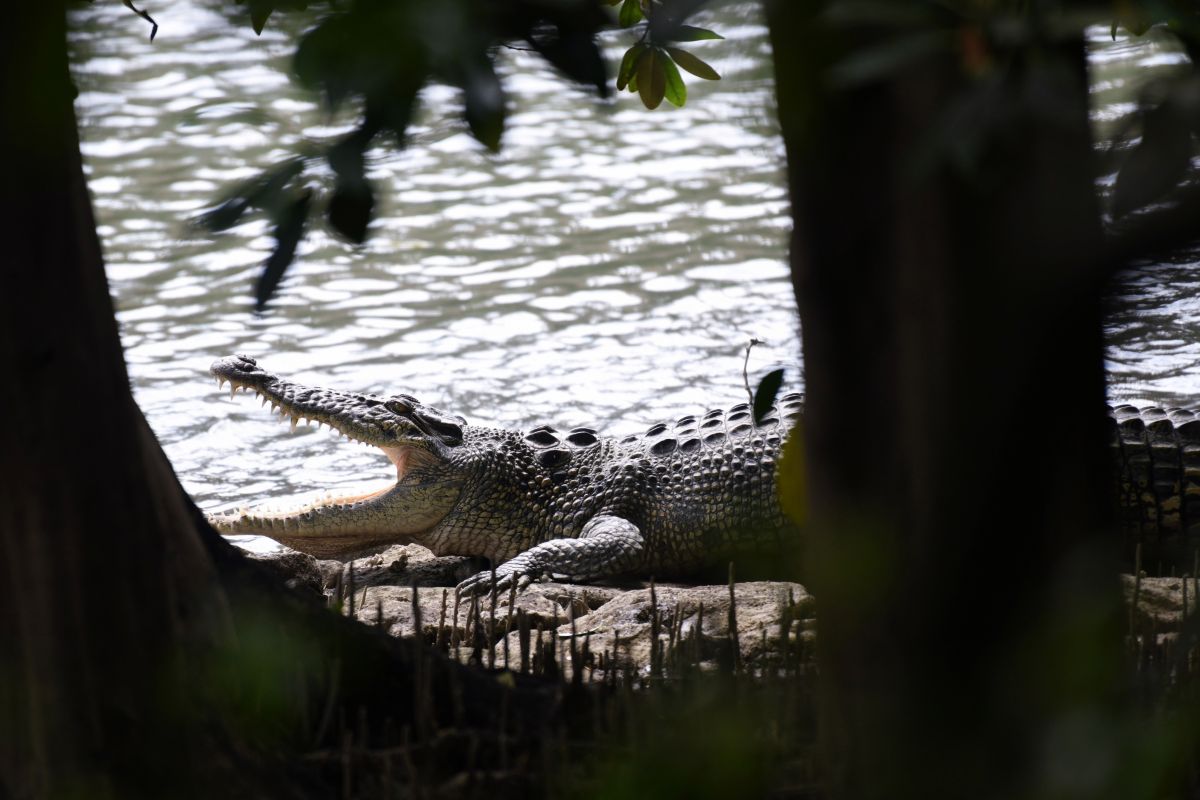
{"x": 601, "y": 632}
{"x": 596, "y": 632}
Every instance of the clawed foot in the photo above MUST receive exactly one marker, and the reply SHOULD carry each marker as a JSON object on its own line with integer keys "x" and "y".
{"x": 481, "y": 583}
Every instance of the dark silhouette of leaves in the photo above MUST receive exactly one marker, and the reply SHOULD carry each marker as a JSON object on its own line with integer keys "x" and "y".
{"x": 764, "y": 395}
{"x": 349, "y": 210}
{"x": 575, "y": 53}
{"x": 263, "y": 191}
{"x": 259, "y": 12}
{"x": 1158, "y": 162}
{"x": 379, "y": 55}
{"x": 289, "y": 227}
{"x": 484, "y": 97}
{"x": 153, "y": 25}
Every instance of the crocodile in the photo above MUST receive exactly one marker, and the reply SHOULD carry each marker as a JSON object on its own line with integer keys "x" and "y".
{"x": 574, "y": 505}
{"x": 672, "y": 501}
{"x": 1157, "y": 467}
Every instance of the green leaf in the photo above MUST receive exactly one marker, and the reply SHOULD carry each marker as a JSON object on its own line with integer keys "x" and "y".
{"x": 288, "y": 230}
{"x": 629, "y": 65}
{"x": 693, "y": 64}
{"x": 764, "y": 395}
{"x": 690, "y": 33}
{"x": 630, "y": 13}
{"x": 652, "y": 80}
{"x": 675, "y": 91}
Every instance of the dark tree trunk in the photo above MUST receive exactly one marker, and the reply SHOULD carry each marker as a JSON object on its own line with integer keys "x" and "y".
{"x": 139, "y": 654}
{"x": 954, "y": 427}
{"x": 95, "y": 591}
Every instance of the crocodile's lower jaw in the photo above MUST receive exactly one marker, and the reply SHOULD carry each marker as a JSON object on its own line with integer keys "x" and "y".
{"x": 345, "y": 527}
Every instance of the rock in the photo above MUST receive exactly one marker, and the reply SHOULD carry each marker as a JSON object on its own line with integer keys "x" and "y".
{"x": 391, "y": 607}
{"x": 382, "y": 595}
{"x": 685, "y": 636}
{"x": 545, "y": 604}
{"x": 1160, "y": 601}
{"x": 299, "y": 571}
{"x": 406, "y": 564}
{"x": 399, "y": 565}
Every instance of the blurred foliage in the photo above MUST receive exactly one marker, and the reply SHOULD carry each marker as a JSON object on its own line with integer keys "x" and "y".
{"x": 1158, "y": 149}
{"x": 650, "y": 68}
{"x": 371, "y": 58}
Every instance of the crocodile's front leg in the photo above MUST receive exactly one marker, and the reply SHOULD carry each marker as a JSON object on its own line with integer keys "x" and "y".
{"x": 607, "y": 546}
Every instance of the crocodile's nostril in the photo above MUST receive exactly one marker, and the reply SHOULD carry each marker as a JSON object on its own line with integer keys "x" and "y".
{"x": 245, "y": 361}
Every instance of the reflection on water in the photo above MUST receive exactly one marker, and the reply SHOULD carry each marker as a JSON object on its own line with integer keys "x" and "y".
{"x": 1153, "y": 327}
{"x": 606, "y": 268}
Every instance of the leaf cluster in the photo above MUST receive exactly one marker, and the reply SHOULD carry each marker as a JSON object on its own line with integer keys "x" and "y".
{"x": 650, "y": 68}
{"x": 1158, "y": 162}
{"x": 373, "y": 57}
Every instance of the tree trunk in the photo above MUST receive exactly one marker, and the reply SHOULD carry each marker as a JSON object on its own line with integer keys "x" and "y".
{"x": 141, "y": 655}
{"x": 943, "y": 257}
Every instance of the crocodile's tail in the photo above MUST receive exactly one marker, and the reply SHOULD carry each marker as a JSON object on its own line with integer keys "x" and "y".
{"x": 1158, "y": 484}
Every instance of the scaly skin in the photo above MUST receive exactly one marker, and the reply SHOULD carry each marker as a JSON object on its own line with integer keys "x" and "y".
{"x": 577, "y": 506}
{"x": 1158, "y": 481}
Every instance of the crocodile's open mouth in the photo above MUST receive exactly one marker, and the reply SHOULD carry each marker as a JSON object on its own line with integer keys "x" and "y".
{"x": 399, "y": 455}
{"x": 345, "y": 525}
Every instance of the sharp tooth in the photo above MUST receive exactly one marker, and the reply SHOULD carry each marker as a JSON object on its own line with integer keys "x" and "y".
{"x": 232, "y": 390}
{"x": 294, "y": 420}
{"x": 264, "y": 400}
{"x": 220, "y": 383}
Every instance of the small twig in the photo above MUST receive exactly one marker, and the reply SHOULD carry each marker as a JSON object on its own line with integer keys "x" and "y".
{"x": 746, "y": 367}
{"x": 145, "y": 16}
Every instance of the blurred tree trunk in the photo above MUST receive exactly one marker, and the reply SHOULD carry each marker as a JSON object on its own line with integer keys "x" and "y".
{"x": 139, "y": 654}
{"x": 954, "y": 427}
{"x": 95, "y": 589}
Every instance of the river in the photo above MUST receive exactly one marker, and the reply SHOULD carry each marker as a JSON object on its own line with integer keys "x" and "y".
{"x": 605, "y": 269}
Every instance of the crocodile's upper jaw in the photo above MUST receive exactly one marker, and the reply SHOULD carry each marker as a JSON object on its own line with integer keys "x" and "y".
{"x": 425, "y": 488}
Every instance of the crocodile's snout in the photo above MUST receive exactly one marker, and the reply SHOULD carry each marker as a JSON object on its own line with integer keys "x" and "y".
{"x": 235, "y": 365}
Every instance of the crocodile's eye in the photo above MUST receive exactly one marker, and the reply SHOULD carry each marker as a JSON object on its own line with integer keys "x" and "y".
{"x": 398, "y": 407}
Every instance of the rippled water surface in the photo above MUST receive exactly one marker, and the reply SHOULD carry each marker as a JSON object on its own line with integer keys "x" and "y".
{"x": 606, "y": 268}
{"x": 1153, "y": 327}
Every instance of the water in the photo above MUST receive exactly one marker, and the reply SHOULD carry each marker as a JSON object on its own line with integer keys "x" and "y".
{"x": 1153, "y": 327}
{"x": 605, "y": 269}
